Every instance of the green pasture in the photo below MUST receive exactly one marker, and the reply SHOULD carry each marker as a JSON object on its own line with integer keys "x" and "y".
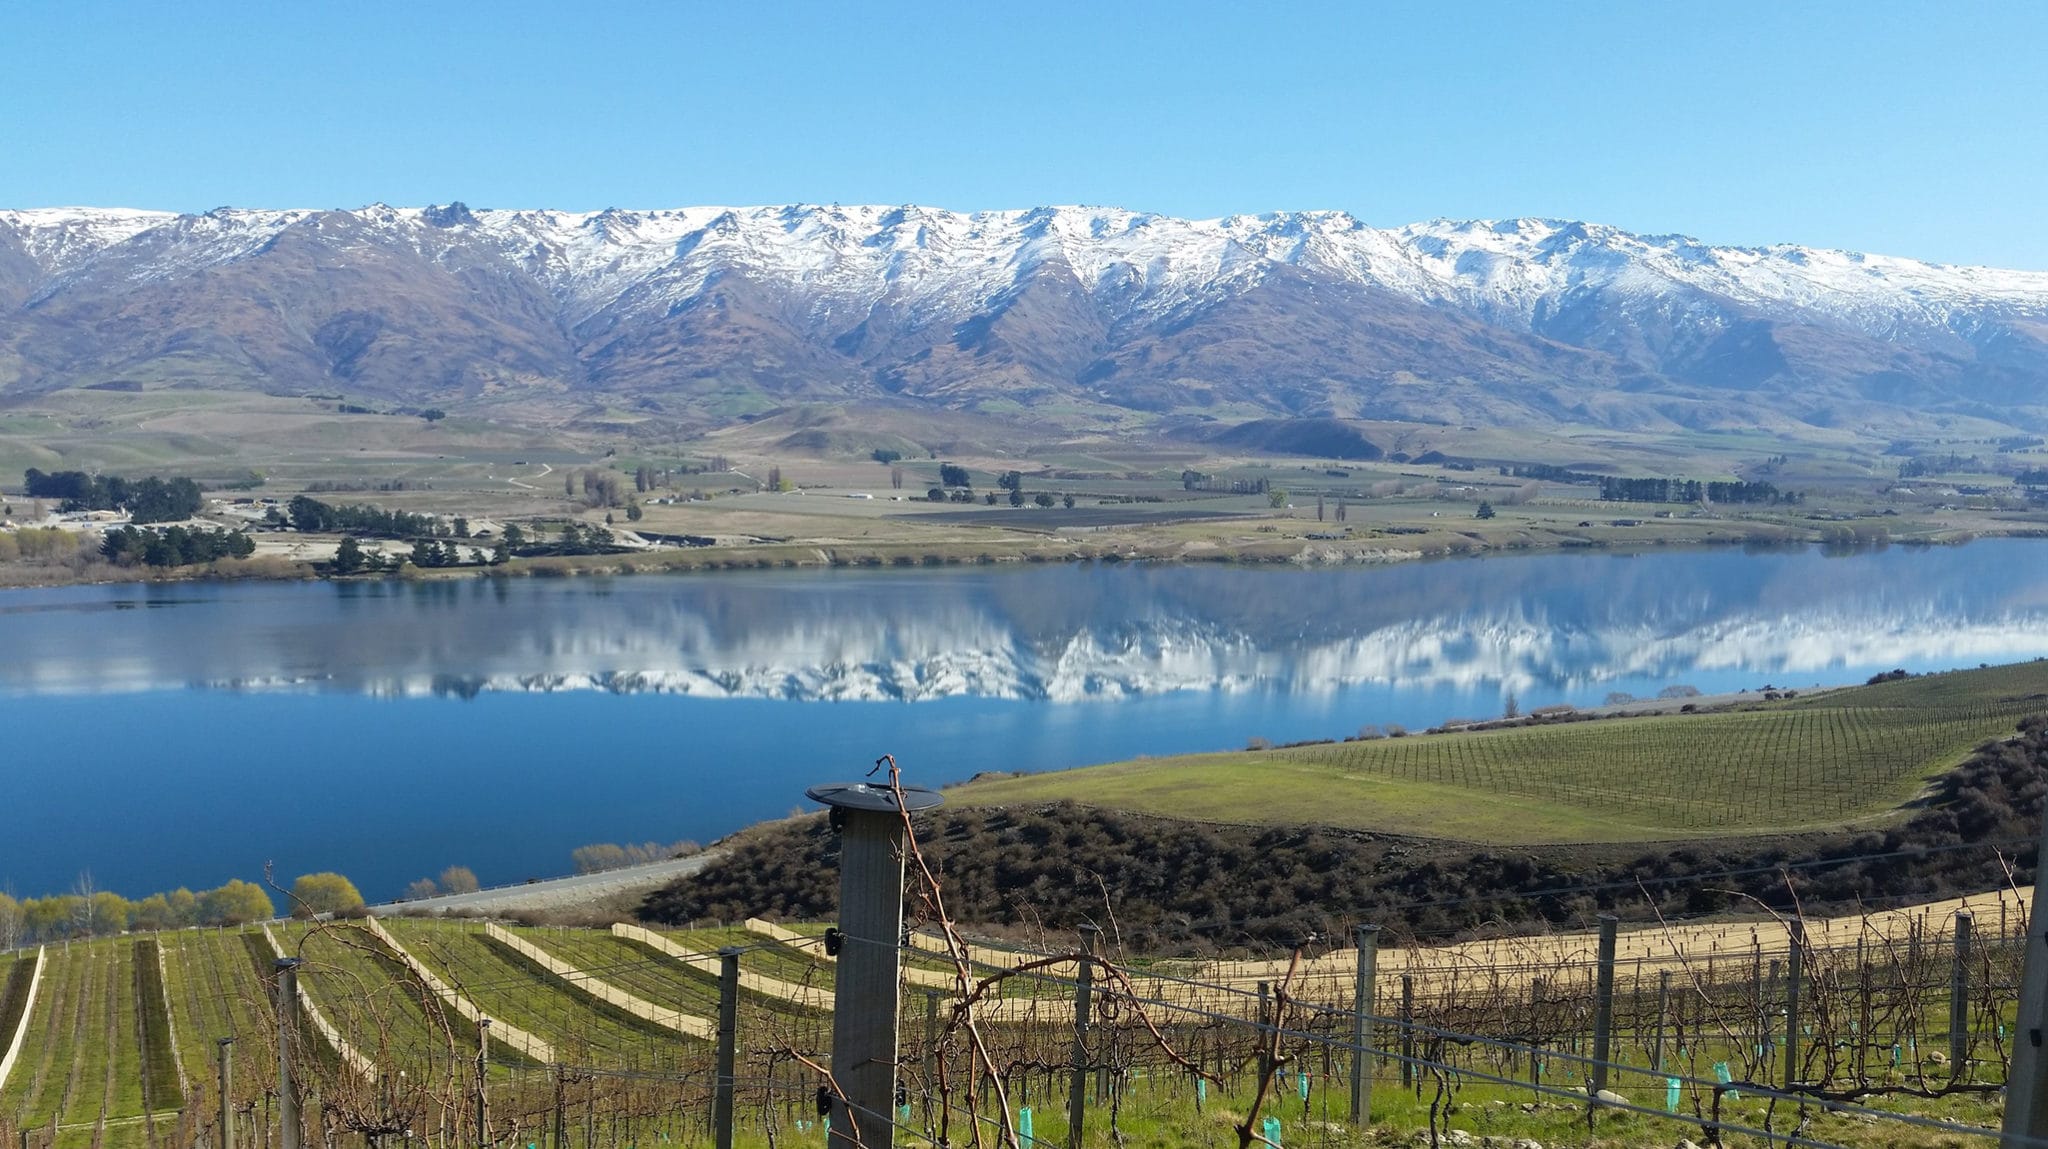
{"x": 1845, "y": 757}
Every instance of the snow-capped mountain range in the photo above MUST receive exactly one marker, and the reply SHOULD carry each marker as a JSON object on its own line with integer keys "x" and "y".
{"x": 699, "y": 310}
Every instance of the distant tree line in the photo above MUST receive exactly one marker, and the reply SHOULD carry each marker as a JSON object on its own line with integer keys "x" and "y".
{"x": 42, "y": 544}
{"x": 174, "y": 546}
{"x": 328, "y": 486}
{"x": 454, "y": 880}
{"x": 1690, "y": 491}
{"x": 350, "y": 557}
{"x": 1549, "y": 473}
{"x": 1202, "y": 481}
{"x": 602, "y": 856}
{"x": 87, "y": 912}
{"x": 312, "y": 516}
{"x": 1017, "y": 496}
{"x": 600, "y": 488}
{"x": 150, "y": 500}
{"x": 1949, "y": 464}
{"x": 574, "y": 539}
{"x": 444, "y": 553}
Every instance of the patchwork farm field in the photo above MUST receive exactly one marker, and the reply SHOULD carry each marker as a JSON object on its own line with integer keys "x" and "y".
{"x": 1839, "y": 758}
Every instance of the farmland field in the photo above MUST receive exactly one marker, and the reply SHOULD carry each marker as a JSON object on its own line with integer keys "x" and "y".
{"x": 215, "y": 992}
{"x": 114, "y": 1050}
{"x": 366, "y": 992}
{"x": 1839, "y": 758}
{"x": 163, "y": 1077}
{"x": 504, "y": 985}
{"x": 81, "y": 1066}
{"x": 83, "y": 1084}
{"x": 667, "y": 982}
{"x": 765, "y": 956}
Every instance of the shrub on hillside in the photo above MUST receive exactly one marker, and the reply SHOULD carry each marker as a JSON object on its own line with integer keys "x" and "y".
{"x": 1195, "y": 886}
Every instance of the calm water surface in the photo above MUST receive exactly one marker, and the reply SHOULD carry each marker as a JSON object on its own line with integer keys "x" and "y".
{"x": 186, "y": 734}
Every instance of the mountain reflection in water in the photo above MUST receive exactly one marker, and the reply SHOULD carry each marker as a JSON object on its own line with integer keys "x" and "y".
{"x": 1534, "y": 624}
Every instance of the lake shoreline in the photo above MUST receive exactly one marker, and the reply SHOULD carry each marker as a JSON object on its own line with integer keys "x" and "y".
{"x": 1314, "y": 554}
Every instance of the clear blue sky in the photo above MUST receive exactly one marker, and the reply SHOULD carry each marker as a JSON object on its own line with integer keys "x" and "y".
{"x": 1912, "y": 129}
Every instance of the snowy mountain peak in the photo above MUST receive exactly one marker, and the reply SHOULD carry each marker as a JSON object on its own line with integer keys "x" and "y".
{"x": 1308, "y": 312}
{"x": 59, "y": 236}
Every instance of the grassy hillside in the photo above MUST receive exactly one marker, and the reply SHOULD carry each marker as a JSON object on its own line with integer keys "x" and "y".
{"x": 1846, "y": 757}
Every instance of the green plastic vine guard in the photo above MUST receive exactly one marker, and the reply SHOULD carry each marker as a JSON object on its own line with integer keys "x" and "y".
{"x": 1722, "y": 1075}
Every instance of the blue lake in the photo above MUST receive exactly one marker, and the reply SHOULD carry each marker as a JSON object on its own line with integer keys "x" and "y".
{"x": 185, "y": 734}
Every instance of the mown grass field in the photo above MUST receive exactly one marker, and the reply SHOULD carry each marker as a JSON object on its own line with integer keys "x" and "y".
{"x": 1844, "y": 757}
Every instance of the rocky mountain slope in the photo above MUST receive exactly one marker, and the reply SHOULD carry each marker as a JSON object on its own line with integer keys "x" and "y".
{"x": 708, "y": 313}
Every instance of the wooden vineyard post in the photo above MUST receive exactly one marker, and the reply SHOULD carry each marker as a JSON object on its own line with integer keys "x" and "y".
{"x": 1795, "y": 969}
{"x": 1362, "y": 1004}
{"x": 223, "y": 1075}
{"x": 1959, "y": 998}
{"x": 1408, "y": 1077}
{"x": 561, "y": 1118}
{"x": 1663, "y": 1015}
{"x": 931, "y": 1057}
{"x": 1864, "y": 997}
{"x": 1265, "y": 1006}
{"x": 1077, "y": 1089}
{"x": 483, "y": 1071}
{"x": 1766, "y": 1048}
{"x": 287, "y": 1016}
{"x": 867, "y": 988}
{"x": 1603, "y": 1013}
{"x": 728, "y": 1031}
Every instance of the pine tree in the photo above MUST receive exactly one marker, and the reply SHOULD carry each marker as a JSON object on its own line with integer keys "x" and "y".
{"x": 348, "y": 557}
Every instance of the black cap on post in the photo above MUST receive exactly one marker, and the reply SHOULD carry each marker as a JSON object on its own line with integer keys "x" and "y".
{"x": 868, "y": 796}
